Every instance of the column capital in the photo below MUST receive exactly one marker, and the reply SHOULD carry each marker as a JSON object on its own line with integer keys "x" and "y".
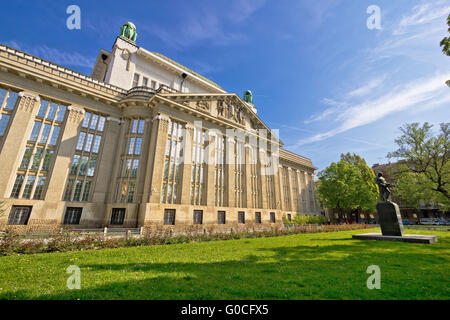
{"x": 25, "y": 94}
{"x": 117, "y": 120}
{"x": 162, "y": 118}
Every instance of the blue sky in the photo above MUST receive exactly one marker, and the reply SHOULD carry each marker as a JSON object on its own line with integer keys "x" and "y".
{"x": 317, "y": 73}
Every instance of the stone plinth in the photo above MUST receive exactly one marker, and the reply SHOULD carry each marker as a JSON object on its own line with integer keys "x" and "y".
{"x": 414, "y": 238}
{"x": 390, "y": 219}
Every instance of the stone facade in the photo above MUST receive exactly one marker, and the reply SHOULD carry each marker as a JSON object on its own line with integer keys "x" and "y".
{"x": 76, "y": 150}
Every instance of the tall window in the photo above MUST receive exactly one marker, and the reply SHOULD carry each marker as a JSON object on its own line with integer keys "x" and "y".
{"x": 136, "y": 80}
{"x": 286, "y": 188}
{"x": 258, "y": 217}
{"x": 239, "y": 173}
{"x": 7, "y": 102}
{"x": 169, "y": 216}
{"x": 270, "y": 182}
{"x": 254, "y": 178}
{"x": 241, "y": 217}
{"x": 73, "y": 215}
{"x": 172, "y": 166}
{"x": 117, "y": 216}
{"x": 221, "y": 217}
{"x": 219, "y": 171}
{"x": 84, "y": 162}
{"x": 129, "y": 161}
{"x": 198, "y": 216}
{"x": 198, "y": 167}
{"x": 39, "y": 151}
{"x": 295, "y": 191}
{"x": 303, "y": 182}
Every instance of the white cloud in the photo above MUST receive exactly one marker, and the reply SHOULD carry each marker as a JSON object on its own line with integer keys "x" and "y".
{"x": 364, "y": 90}
{"x": 72, "y": 59}
{"x": 426, "y": 90}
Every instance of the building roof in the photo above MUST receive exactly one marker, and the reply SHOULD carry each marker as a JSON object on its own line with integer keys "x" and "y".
{"x": 187, "y": 69}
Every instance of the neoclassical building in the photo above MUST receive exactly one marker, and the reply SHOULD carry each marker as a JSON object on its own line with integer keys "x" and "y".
{"x": 143, "y": 141}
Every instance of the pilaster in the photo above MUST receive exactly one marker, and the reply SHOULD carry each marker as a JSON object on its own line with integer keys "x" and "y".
{"x": 21, "y": 124}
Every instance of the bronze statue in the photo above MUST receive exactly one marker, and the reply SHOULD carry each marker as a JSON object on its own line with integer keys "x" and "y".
{"x": 383, "y": 187}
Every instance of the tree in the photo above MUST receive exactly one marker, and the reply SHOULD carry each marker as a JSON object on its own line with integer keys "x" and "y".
{"x": 367, "y": 194}
{"x": 426, "y": 160}
{"x": 347, "y": 185}
{"x": 445, "y": 44}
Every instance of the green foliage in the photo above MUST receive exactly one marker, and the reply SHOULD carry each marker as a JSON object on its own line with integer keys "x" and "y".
{"x": 348, "y": 185}
{"x": 426, "y": 162}
{"x": 445, "y": 44}
{"x": 306, "y": 219}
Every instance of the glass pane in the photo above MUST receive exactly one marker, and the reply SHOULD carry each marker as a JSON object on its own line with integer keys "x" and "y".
{"x": 91, "y": 168}
{"x": 4, "y": 118}
{"x": 101, "y": 124}
{"x": 77, "y": 193}
{"x": 42, "y": 108}
{"x": 87, "y": 146}
{"x": 87, "y": 188}
{"x": 52, "y": 111}
{"x": 87, "y": 117}
{"x": 55, "y": 134}
{"x": 39, "y": 188}
{"x": 75, "y": 163}
{"x": 131, "y": 146}
{"x": 135, "y": 168}
{"x": 17, "y": 186}
{"x": 45, "y": 133}
{"x": 83, "y": 166}
{"x": 61, "y": 112}
{"x": 28, "y": 186}
{"x": 37, "y": 158}
{"x": 134, "y": 126}
{"x": 47, "y": 159}
{"x": 94, "y": 121}
{"x": 137, "y": 149}
{"x": 11, "y": 100}
{"x": 141, "y": 126}
{"x": 26, "y": 157}
{"x": 81, "y": 140}
{"x": 35, "y": 130}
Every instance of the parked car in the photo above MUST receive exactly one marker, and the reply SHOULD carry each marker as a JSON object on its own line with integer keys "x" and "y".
{"x": 406, "y": 222}
{"x": 428, "y": 221}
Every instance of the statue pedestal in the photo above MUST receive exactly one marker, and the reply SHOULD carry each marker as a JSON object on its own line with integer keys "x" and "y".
{"x": 391, "y": 225}
{"x": 390, "y": 219}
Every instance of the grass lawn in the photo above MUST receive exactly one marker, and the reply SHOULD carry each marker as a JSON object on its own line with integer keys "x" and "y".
{"x": 305, "y": 266}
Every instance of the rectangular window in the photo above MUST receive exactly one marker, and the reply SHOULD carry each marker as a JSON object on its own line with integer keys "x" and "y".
{"x": 169, "y": 216}
{"x": 258, "y": 217}
{"x": 45, "y": 133}
{"x": 117, "y": 216}
{"x": 153, "y": 84}
{"x": 28, "y": 187}
{"x": 144, "y": 81}
{"x": 221, "y": 217}
{"x": 19, "y": 215}
{"x": 173, "y": 162}
{"x": 198, "y": 216}
{"x": 17, "y": 186}
{"x": 55, "y": 134}
{"x": 39, "y": 188}
{"x": 35, "y": 131}
{"x": 135, "y": 80}
{"x": 26, "y": 157}
{"x": 4, "y": 118}
{"x": 241, "y": 217}
{"x": 289, "y": 217}
{"x": 72, "y": 215}
{"x": 272, "y": 217}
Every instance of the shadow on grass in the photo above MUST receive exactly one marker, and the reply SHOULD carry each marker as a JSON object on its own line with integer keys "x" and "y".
{"x": 298, "y": 272}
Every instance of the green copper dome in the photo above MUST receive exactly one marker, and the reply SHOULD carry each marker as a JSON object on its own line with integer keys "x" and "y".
{"x": 128, "y": 31}
{"x": 248, "y": 97}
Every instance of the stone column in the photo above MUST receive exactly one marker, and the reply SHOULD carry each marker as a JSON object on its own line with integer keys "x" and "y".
{"x": 291, "y": 189}
{"x": 261, "y": 168}
{"x": 248, "y": 178}
{"x": 115, "y": 170}
{"x": 313, "y": 198}
{"x": 161, "y": 125}
{"x": 277, "y": 185}
{"x": 229, "y": 164}
{"x": 308, "y": 209}
{"x": 110, "y": 159}
{"x": 21, "y": 124}
{"x": 210, "y": 169}
{"x": 63, "y": 159}
{"x": 281, "y": 187}
{"x": 186, "y": 173}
